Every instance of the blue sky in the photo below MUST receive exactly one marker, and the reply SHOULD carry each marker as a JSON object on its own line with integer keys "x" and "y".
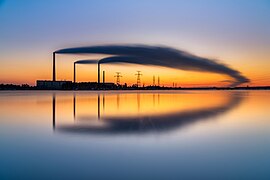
{"x": 81, "y": 21}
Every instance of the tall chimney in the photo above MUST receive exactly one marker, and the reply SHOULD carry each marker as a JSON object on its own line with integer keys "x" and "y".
{"x": 103, "y": 77}
{"x": 74, "y": 72}
{"x": 54, "y": 75}
{"x": 98, "y": 74}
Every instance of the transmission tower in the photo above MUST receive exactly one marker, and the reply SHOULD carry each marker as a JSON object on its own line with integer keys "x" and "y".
{"x": 118, "y": 76}
{"x": 158, "y": 81}
{"x": 154, "y": 81}
{"x": 139, "y": 74}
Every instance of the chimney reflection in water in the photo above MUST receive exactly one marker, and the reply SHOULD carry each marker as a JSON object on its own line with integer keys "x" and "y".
{"x": 125, "y": 118}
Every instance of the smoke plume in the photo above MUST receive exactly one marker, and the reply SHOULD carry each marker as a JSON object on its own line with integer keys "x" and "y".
{"x": 159, "y": 56}
{"x": 86, "y": 62}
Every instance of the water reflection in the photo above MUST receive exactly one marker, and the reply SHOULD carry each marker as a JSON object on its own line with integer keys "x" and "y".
{"x": 143, "y": 121}
{"x": 53, "y": 109}
{"x": 177, "y": 134}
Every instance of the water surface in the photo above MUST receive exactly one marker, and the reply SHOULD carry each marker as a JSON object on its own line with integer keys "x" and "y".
{"x": 134, "y": 135}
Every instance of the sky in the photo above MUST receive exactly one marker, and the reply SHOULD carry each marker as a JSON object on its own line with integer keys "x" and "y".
{"x": 234, "y": 32}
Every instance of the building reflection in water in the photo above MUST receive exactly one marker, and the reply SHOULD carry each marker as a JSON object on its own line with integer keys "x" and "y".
{"x": 139, "y": 120}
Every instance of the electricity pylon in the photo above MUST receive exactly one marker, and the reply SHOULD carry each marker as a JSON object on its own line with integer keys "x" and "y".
{"x": 118, "y": 76}
{"x": 139, "y": 74}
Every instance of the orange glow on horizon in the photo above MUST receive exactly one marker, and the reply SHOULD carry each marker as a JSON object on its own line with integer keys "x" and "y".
{"x": 28, "y": 72}
{"x": 125, "y": 103}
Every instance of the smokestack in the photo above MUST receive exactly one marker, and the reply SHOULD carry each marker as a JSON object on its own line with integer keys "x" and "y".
{"x": 74, "y": 72}
{"x": 54, "y": 76}
{"x": 103, "y": 77}
{"x": 98, "y": 74}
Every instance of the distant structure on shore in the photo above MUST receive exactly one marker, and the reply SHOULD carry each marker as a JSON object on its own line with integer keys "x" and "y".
{"x": 68, "y": 85}
{"x": 43, "y": 84}
{"x": 136, "y": 54}
{"x": 118, "y": 76}
{"x": 138, "y": 74}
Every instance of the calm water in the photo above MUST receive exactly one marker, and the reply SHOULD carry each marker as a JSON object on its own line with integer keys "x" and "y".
{"x": 135, "y": 135}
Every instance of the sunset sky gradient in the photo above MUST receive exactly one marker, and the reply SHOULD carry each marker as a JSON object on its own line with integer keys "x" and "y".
{"x": 234, "y": 32}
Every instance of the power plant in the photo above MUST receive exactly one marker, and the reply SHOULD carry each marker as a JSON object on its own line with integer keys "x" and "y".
{"x": 97, "y": 85}
{"x": 54, "y": 84}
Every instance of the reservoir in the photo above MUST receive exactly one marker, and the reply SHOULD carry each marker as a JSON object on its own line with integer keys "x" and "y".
{"x": 173, "y": 134}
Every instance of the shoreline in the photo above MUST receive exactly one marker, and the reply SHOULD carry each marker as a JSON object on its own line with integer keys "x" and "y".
{"x": 146, "y": 89}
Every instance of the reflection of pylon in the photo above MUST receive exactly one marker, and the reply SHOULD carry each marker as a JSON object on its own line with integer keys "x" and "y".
{"x": 138, "y": 78}
{"x": 118, "y": 75}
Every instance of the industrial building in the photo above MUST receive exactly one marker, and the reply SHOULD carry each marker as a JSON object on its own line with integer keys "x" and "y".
{"x": 44, "y": 84}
